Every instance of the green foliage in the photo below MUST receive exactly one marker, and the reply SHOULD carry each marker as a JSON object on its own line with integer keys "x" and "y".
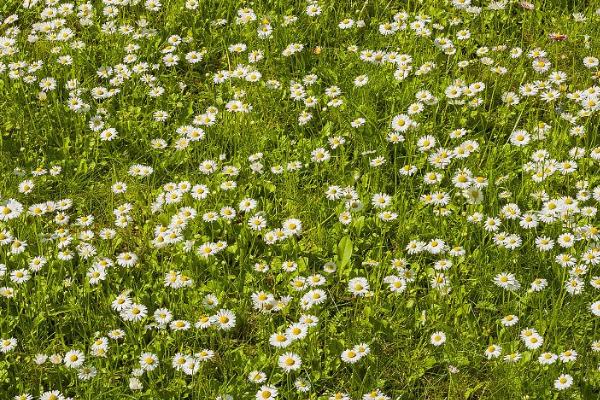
{"x": 260, "y": 199}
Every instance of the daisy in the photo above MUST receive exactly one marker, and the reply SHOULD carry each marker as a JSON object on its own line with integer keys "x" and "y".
{"x": 350, "y": 356}
{"x": 595, "y": 308}
{"x": 7, "y": 345}
{"x": 148, "y": 361}
{"x": 136, "y": 312}
{"x": 493, "y": 351}
{"x": 292, "y": 226}
{"x": 266, "y": 393}
{"x": 534, "y": 341}
{"x": 297, "y": 331}
{"x": 257, "y": 377}
{"x": 362, "y": 349}
{"x": 74, "y": 359}
{"x": 509, "y": 320}
{"x": 86, "y": 373}
{"x": 289, "y": 362}
{"x": 568, "y": 356}
{"x": 564, "y": 381}
{"x": 52, "y": 395}
{"x": 547, "y": 358}
{"x": 381, "y": 200}
{"x": 438, "y": 338}
{"x": 280, "y": 340}
{"x": 401, "y": 123}
{"x": 358, "y": 286}
{"x": 224, "y": 319}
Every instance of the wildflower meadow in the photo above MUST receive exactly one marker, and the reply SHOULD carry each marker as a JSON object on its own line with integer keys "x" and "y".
{"x": 324, "y": 200}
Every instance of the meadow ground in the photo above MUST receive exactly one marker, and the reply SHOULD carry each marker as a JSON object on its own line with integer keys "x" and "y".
{"x": 366, "y": 200}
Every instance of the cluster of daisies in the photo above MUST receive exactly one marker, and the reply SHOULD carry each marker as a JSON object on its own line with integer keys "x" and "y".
{"x": 408, "y": 163}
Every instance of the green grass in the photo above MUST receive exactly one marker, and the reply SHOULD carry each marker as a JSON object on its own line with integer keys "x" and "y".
{"x": 58, "y": 309}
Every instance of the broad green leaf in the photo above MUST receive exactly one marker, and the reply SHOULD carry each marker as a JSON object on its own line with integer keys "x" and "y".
{"x": 344, "y": 251}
